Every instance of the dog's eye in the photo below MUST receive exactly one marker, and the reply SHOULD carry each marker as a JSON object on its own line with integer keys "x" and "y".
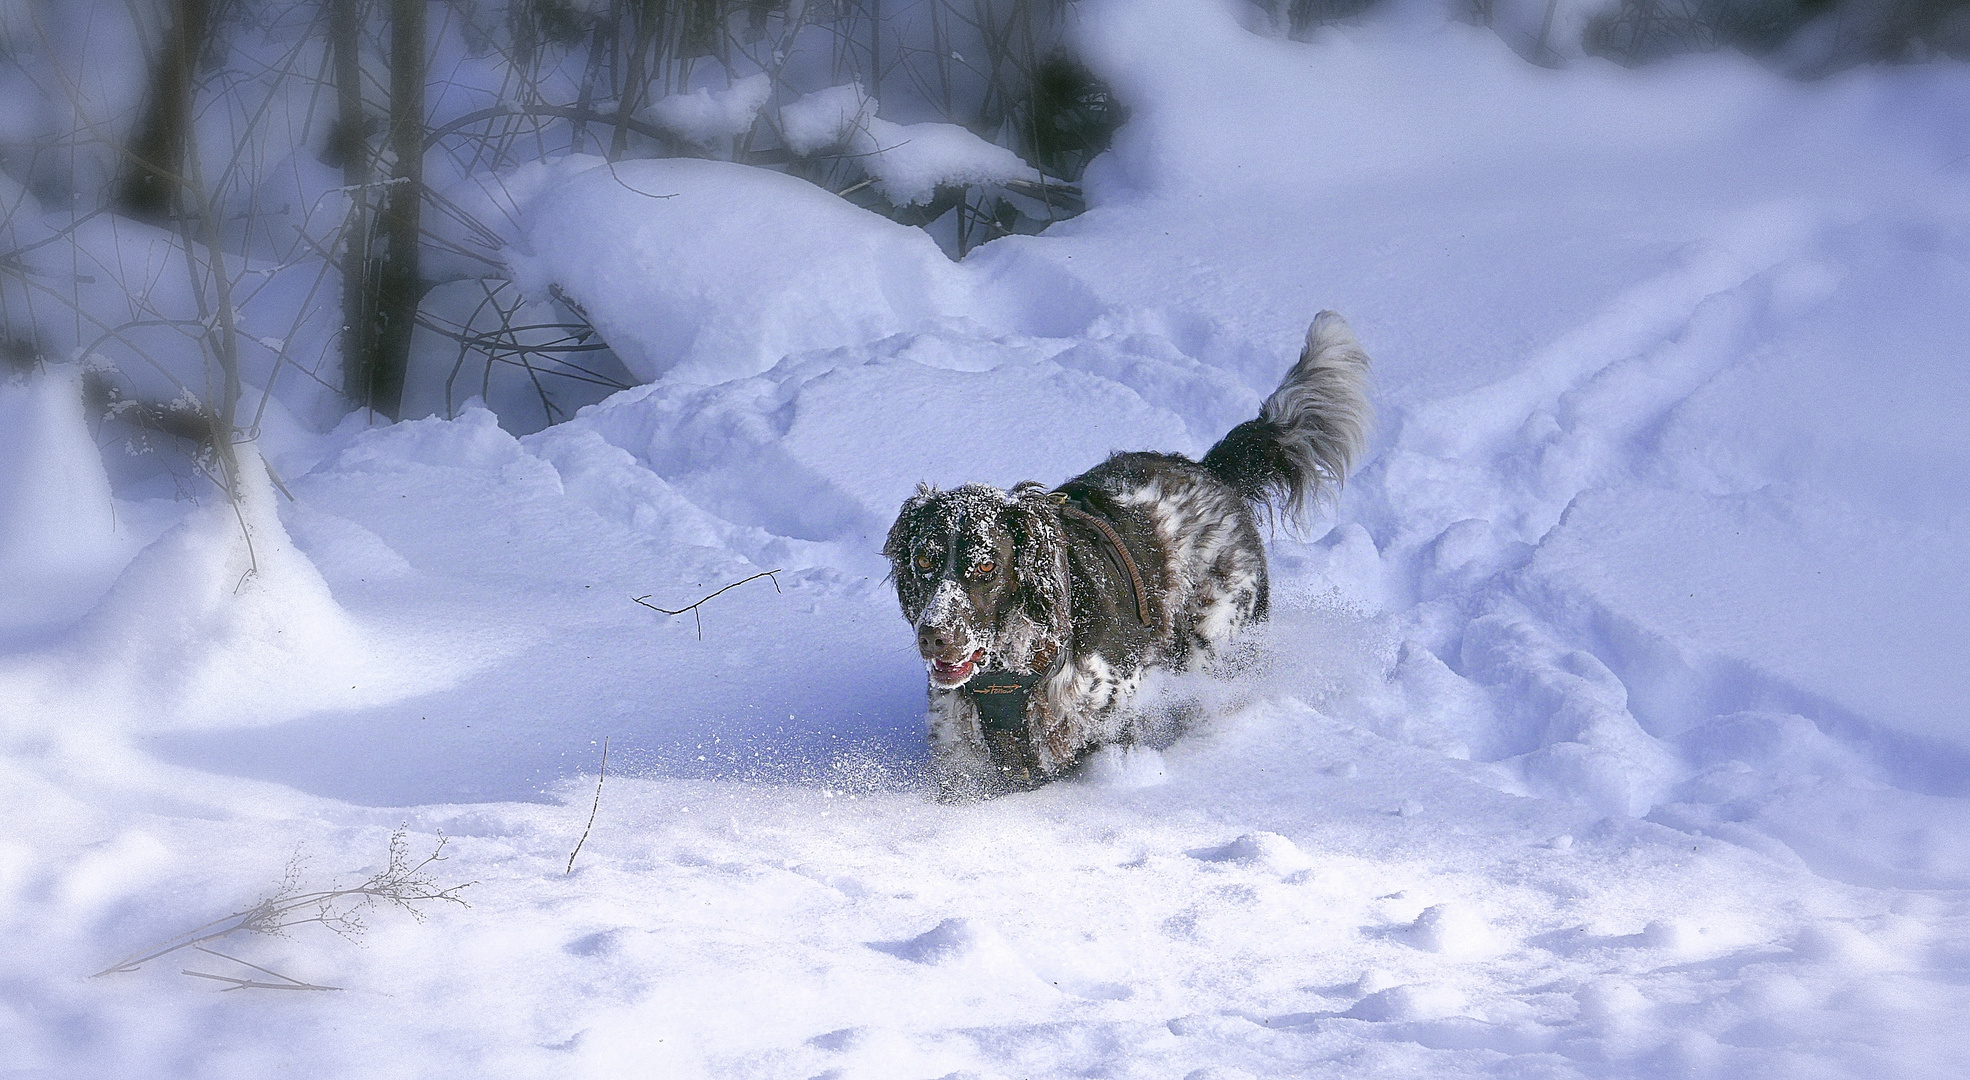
{"x": 925, "y": 562}
{"x": 987, "y": 569}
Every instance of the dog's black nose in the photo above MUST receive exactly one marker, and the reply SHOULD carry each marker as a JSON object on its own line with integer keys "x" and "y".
{"x": 932, "y": 641}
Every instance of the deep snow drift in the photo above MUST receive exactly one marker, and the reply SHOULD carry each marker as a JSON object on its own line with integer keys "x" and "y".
{"x": 1615, "y": 728}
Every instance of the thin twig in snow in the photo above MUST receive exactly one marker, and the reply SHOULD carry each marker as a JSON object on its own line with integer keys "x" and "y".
{"x": 286, "y": 983}
{"x": 693, "y": 608}
{"x": 600, "y": 775}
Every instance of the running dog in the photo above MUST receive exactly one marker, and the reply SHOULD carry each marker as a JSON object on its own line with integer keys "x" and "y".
{"x": 1037, "y": 612}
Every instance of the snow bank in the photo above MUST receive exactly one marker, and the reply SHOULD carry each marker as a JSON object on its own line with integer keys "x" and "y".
{"x": 62, "y": 535}
{"x": 1454, "y": 930}
{"x": 825, "y": 446}
{"x": 703, "y": 271}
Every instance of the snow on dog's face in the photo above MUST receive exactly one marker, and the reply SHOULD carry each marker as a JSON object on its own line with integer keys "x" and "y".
{"x": 979, "y": 576}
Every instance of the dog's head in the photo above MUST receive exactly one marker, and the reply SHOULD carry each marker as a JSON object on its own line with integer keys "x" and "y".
{"x": 980, "y": 574}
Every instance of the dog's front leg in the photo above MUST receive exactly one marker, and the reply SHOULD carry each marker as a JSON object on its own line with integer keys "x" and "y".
{"x": 1088, "y": 704}
{"x": 960, "y": 762}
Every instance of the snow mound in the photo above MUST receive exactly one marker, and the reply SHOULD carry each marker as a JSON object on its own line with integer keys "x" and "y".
{"x": 822, "y": 119}
{"x": 1610, "y": 1005}
{"x": 908, "y": 162}
{"x": 1422, "y": 1002}
{"x": 1844, "y": 945}
{"x": 1677, "y": 937}
{"x": 1453, "y": 930}
{"x": 473, "y": 441}
{"x": 224, "y": 622}
{"x": 706, "y": 271}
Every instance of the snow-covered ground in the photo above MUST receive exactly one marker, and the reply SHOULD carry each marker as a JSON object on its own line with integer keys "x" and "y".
{"x": 1613, "y": 725}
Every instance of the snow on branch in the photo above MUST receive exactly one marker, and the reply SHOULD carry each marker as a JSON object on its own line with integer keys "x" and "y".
{"x": 707, "y": 116}
{"x": 906, "y": 162}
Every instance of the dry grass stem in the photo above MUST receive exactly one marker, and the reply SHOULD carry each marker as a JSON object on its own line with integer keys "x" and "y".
{"x": 601, "y": 775}
{"x": 402, "y": 883}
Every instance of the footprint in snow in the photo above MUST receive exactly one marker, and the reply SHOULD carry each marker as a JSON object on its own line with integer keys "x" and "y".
{"x": 1259, "y": 850}
{"x": 600, "y": 943}
{"x": 956, "y": 941}
{"x": 974, "y": 947}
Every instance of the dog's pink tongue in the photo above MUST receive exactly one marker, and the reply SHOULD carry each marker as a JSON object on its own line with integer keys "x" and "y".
{"x": 961, "y": 667}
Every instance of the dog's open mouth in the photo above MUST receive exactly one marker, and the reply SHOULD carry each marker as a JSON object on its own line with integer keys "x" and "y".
{"x": 948, "y": 675}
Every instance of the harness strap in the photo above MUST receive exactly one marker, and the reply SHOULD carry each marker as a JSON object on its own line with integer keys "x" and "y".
{"x": 1108, "y": 533}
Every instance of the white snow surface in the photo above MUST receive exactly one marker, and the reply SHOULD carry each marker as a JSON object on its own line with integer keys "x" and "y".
{"x": 1612, "y": 725}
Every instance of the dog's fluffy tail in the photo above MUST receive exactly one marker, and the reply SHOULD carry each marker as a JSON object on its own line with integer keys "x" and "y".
{"x": 1309, "y": 432}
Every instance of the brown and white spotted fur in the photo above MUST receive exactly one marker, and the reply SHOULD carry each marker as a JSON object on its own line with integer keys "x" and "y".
{"x": 1018, "y": 581}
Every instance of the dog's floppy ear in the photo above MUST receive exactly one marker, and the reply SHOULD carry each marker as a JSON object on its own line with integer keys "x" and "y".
{"x": 1033, "y": 522}
{"x": 897, "y": 547}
